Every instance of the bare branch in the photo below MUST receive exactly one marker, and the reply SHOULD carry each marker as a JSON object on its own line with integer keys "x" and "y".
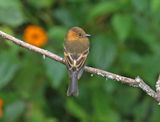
{"x": 137, "y": 82}
{"x": 31, "y": 47}
{"x": 145, "y": 87}
{"x": 158, "y": 88}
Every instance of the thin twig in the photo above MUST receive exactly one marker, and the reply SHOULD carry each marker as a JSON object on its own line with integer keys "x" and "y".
{"x": 137, "y": 82}
{"x": 158, "y": 88}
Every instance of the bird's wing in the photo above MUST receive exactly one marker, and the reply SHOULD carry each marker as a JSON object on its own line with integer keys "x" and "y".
{"x": 75, "y": 62}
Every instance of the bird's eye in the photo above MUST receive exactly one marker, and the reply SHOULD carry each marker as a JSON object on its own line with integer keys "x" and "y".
{"x": 79, "y": 34}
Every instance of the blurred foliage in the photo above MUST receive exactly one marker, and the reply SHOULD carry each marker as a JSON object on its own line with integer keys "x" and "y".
{"x": 125, "y": 40}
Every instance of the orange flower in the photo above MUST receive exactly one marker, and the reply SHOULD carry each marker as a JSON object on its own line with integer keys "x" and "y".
{"x": 1, "y": 105}
{"x": 35, "y": 35}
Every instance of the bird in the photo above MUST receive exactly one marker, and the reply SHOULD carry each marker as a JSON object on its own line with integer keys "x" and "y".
{"x": 76, "y": 50}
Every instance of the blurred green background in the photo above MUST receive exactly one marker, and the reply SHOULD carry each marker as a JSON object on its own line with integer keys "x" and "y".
{"x": 125, "y": 40}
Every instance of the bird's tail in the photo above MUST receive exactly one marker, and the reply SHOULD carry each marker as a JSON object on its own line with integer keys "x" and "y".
{"x": 73, "y": 85}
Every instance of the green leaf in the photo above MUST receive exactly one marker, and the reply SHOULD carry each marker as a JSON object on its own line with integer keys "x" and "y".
{"x": 150, "y": 65}
{"x": 52, "y": 120}
{"x": 8, "y": 69}
{"x": 140, "y": 5}
{"x": 140, "y": 109}
{"x": 14, "y": 111}
{"x": 100, "y": 104}
{"x": 130, "y": 96}
{"x": 103, "y": 111}
{"x": 64, "y": 16}
{"x": 11, "y": 13}
{"x": 37, "y": 115}
{"x": 55, "y": 72}
{"x": 130, "y": 60}
{"x": 41, "y": 3}
{"x": 155, "y": 5}
{"x": 57, "y": 34}
{"x": 103, "y": 52}
{"x": 155, "y": 114}
{"x": 104, "y": 8}
{"x": 30, "y": 75}
{"x": 7, "y": 72}
{"x": 122, "y": 25}
{"x": 76, "y": 110}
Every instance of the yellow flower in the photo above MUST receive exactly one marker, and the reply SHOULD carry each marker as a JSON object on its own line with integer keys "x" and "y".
{"x": 35, "y": 35}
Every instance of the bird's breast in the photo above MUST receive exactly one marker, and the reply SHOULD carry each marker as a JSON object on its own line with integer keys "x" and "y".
{"x": 76, "y": 47}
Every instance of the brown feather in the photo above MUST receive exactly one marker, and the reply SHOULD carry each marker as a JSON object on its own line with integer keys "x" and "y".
{"x": 76, "y": 49}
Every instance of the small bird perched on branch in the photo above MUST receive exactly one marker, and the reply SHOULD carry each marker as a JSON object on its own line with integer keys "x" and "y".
{"x": 76, "y": 49}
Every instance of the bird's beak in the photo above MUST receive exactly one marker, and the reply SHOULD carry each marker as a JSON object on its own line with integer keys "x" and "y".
{"x": 87, "y": 35}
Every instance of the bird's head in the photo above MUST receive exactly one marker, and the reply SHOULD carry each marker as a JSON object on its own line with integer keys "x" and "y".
{"x": 76, "y": 33}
